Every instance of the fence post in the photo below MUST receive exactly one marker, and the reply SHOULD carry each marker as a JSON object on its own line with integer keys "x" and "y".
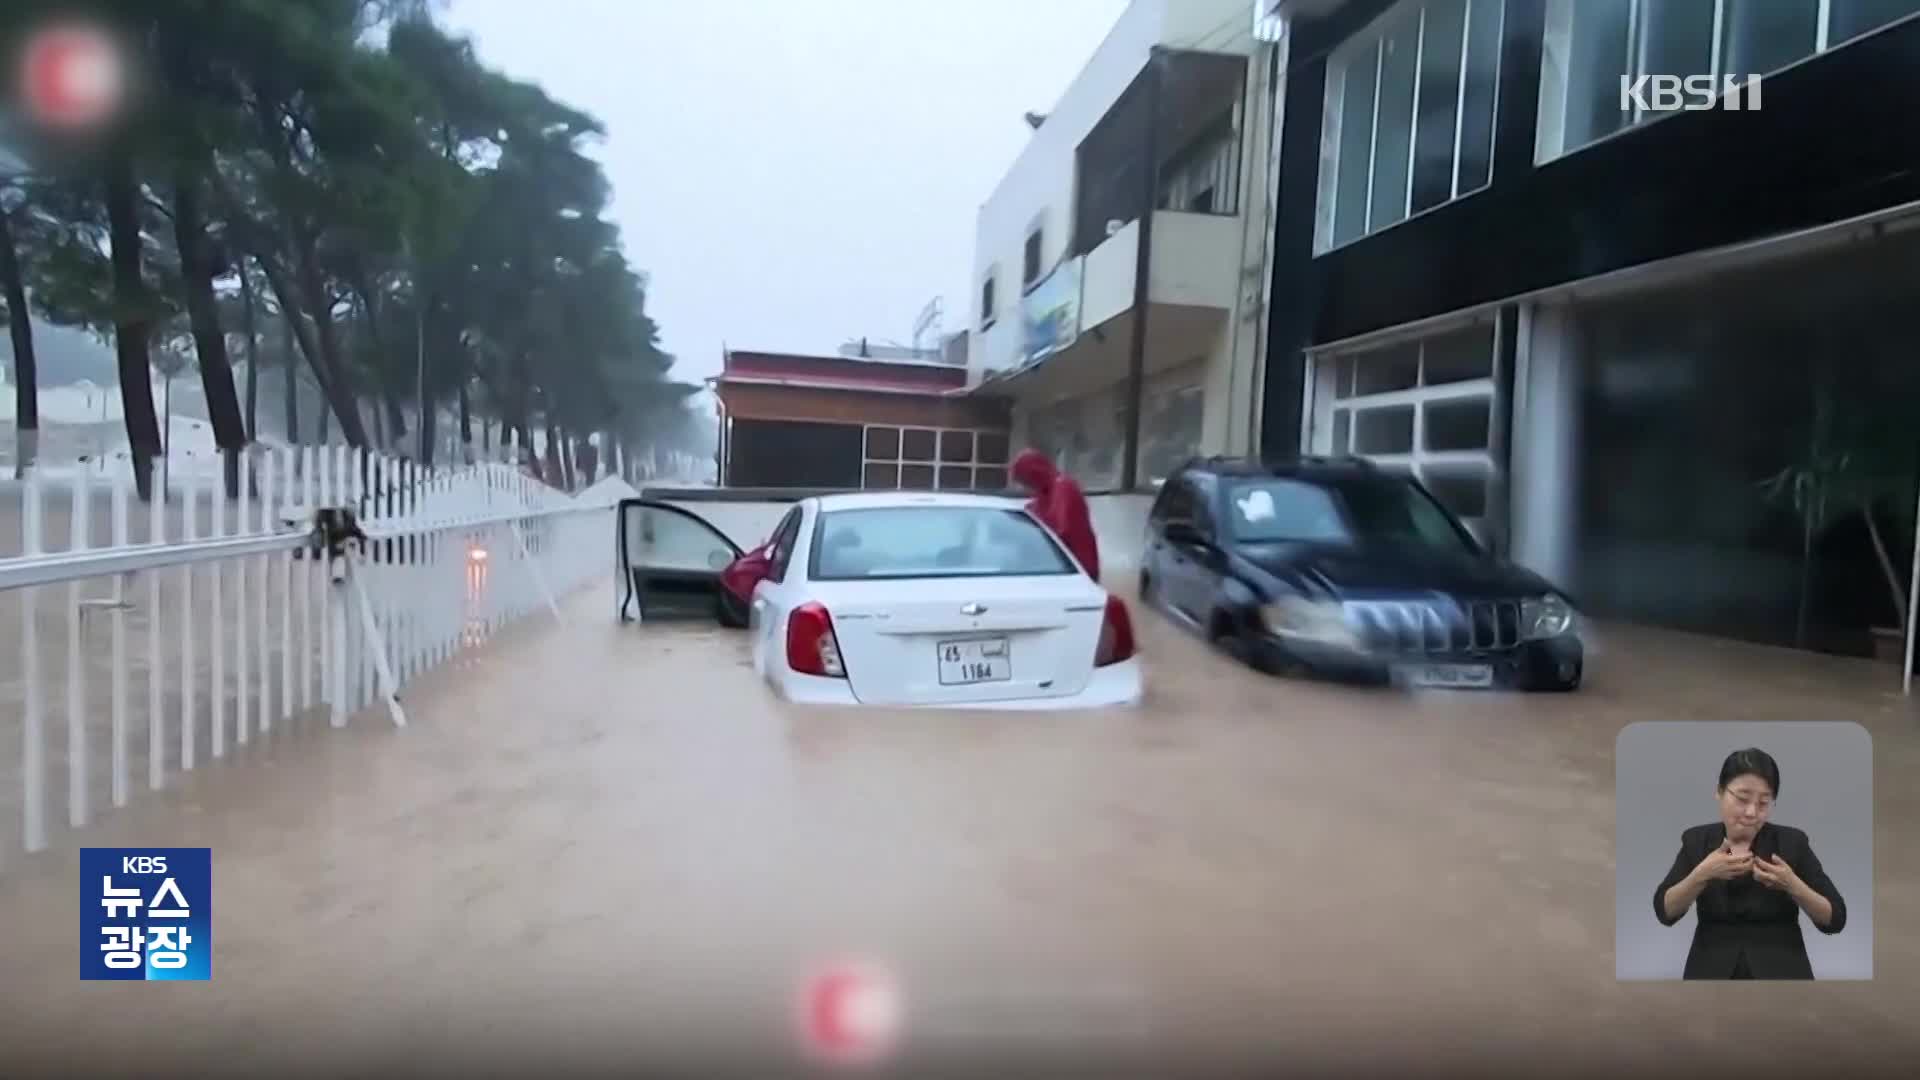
{"x": 242, "y": 669}
{"x": 216, "y": 626}
{"x": 79, "y": 539}
{"x": 265, "y": 567}
{"x": 34, "y": 753}
{"x": 190, "y": 530}
{"x": 121, "y": 584}
{"x": 156, "y": 676}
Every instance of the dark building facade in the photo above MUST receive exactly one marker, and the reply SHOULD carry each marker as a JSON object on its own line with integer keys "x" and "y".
{"x": 1670, "y": 358}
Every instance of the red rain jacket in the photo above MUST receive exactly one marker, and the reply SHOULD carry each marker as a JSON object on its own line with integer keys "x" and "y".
{"x": 1060, "y": 503}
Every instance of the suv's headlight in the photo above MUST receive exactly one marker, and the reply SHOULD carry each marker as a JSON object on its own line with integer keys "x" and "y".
{"x": 1324, "y": 621}
{"x": 1545, "y": 617}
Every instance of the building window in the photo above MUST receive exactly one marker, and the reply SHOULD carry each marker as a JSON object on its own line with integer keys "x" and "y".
{"x": 1422, "y": 408}
{"x": 1030, "y": 257}
{"x": 944, "y": 459}
{"x": 1591, "y": 48}
{"x": 987, "y": 312}
{"x": 1205, "y": 178}
{"x": 1408, "y": 123}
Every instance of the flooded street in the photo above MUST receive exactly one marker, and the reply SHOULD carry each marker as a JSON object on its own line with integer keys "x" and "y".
{"x": 603, "y": 846}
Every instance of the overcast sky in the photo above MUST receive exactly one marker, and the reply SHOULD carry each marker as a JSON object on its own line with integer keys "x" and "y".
{"x": 796, "y": 173}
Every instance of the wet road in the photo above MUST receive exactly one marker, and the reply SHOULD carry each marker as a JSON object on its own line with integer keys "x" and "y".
{"x": 601, "y": 846}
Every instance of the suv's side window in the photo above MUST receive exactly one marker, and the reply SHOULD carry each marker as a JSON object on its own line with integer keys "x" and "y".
{"x": 1177, "y": 499}
{"x": 1201, "y": 490}
{"x": 783, "y": 543}
{"x": 1157, "y": 513}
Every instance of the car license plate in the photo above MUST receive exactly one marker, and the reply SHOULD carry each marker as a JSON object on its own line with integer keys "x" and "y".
{"x": 975, "y": 660}
{"x": 1474, "y": 676}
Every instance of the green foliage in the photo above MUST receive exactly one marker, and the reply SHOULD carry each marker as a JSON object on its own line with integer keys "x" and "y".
{"x": 392, "y": 188}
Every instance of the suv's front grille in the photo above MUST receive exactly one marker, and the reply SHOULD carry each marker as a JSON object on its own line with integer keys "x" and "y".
{"x": 1425, "y": 627}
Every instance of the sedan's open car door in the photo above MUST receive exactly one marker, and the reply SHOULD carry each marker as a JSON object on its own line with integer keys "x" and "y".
{"x": 670, "y": 562}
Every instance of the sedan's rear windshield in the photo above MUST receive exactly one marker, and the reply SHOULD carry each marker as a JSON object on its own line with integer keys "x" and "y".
{"x": 932, "y": 541}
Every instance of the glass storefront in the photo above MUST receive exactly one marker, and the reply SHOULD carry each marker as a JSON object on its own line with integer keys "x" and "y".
{"x": 1420, "y": 407}
{"x": 1749, "y": 450}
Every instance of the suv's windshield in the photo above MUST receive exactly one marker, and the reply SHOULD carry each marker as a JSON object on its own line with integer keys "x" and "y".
{"x": 1376, "y": 510}
{"x": 932, "y": 541}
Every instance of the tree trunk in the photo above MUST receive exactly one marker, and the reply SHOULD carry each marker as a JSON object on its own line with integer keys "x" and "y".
{"x": 26, "y": 377}
{"x": 253, "y": 353}
{"x": 336, "y": 381}
{"x": 209, "y": 339}
{"x": 429, "y": 433}
{"x": 316, "y": 342}
{"x": 589, "y": 458}
{"x": 291, "y": 391}
{"x": 550, "y": 457}
{"x": 131, "y": 320}
{"x": 396, "y": 420}
{"x": 466, "y": 426}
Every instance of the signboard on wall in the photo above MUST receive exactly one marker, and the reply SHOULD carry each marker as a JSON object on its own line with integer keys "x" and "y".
{"x": 1050, "y": 313}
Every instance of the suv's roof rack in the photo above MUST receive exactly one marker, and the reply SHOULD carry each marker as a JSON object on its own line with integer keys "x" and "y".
{"x": 1243, "y": 461}
{"x": 1350, "y": 460}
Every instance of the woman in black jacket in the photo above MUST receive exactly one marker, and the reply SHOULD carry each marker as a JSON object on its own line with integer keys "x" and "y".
{"x": 1751, "y": 880}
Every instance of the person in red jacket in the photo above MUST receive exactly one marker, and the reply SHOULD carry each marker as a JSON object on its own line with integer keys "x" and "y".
{"x": 1061, "y": 505}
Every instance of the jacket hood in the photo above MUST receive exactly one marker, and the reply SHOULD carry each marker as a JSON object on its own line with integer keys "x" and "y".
{"x": 1034, "y": 470}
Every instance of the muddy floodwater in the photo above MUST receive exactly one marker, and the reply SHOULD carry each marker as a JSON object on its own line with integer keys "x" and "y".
{"x": 603, "y": 846}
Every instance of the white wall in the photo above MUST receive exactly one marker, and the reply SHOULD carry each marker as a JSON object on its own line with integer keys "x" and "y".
{"x": 1041, "y": 180}
{"x": 1546, "y": 441}
{"x": 1193, "y": 259}
{"x": 1107, "y": 282}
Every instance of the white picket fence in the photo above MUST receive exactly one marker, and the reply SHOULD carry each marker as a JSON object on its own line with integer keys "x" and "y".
{"x": 198, "y": 627}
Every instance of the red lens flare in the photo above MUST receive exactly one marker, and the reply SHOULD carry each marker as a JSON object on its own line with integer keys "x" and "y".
{"x": 850, "y": 1014}
{"x": 71, "y": 76}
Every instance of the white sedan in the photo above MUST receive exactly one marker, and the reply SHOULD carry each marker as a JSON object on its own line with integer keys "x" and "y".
{"x": 945, "y": 600}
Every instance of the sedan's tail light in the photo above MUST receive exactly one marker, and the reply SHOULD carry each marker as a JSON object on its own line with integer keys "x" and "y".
{"x": 1116, "y": 635}
{"x": 811, "y": 646}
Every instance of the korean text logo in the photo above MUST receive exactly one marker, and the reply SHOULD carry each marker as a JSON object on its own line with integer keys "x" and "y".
{"x": 1673, "y": 93}
{"x": 146, "y": 913}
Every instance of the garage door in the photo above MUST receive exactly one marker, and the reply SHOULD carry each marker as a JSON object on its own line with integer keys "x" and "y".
{"x": 1423, "y": 407}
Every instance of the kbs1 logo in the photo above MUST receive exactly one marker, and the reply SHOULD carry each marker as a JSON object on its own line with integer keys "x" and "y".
{"x": 1692, "y": 93}
{"x": 146, "y": 913}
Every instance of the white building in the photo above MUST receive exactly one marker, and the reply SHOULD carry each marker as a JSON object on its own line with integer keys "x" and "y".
{"x": 1057, "y": 296}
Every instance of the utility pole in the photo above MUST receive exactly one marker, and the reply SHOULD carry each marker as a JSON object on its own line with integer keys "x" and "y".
{"x": 1142, "y": 267}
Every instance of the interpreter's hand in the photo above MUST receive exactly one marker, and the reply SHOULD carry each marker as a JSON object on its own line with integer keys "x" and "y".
{"x": 1723, "y": 865}
{"x": 1774, "y": 873}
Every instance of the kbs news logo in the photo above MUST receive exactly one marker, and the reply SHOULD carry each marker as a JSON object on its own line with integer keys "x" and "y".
{"x": 1692, "y": 93}
{"x": 146, "y": 913}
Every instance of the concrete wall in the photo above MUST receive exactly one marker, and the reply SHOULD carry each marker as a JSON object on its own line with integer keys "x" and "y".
{"x": 1106, "y": 283}
{"x": 1546, "y": 441}
{"x": 1119, "y": 521}
{"x": 1194, "y": 260}
{"x": 1193, "y": 264}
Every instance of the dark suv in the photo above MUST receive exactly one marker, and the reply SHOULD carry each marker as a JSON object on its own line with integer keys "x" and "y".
{"x": 1335, "y": 567}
